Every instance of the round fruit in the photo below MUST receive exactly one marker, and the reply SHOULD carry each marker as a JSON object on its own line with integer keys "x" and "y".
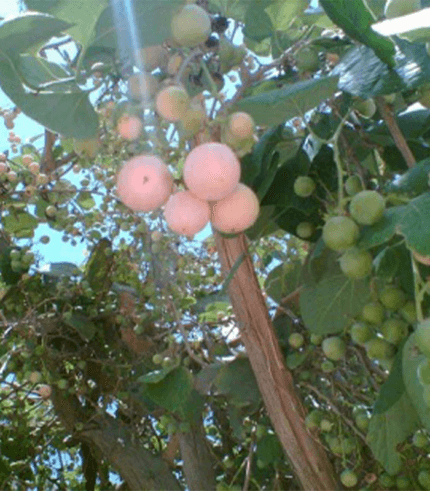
{"x": 313, "y": 419}
{"x": 237, "y": 212}
{"x": 334, "y": 444}
{"x": 144, "y": 183}
{"x": 296, "y": 340}
{"x": 191, "y": 25}
{"x": 394, "y": 330}
{"x": 365, "y": 107}
{"x": 386, "y": 480}
{"x": 379, "y": 349}
{"x": 334, "y": 348}
{"x": 367, "y": 207}
{"x": 241, "y": 125}
{"x": 305, "y": 230}
{"x": 304, "y": 186}
{"x": 157, "y": 359}
{"x": 153, "y": 57}
{"x": 316, "y": 339}
{"x": 397, "y": 8}
{"x": 424, "y": 478}
{"x": 392, "y": 298}
{"x": 142, "y": 86}
{"x": 423, "y": 372}
{"x": 50, "y": 211}
{"x": 211, "y": 171}
{"x": 174, "y": 64}
{"x": 409, "y": 312}
{"x": 129, "y": 127}
{"x": 422, "y": 337}
{"x": 361, "y": 333}
{"x": 156, "y": 236}
{"x": 353, "y": 185}
{"x": 420, "y": 439}
{"x": 326, "y": 425}
{"x": 35, "y": 377}
{"x": 307, "y": 59}
{"x": 327, "y": 366}
{"x": 356, "y": 263}
{"x": 45, "y": 391}
{"x": 172, "y": 103}
{"x": 348, "y": 478}
{"x": 403, "y": 482}
{"x": 373, "y": 313}
{"x": 362, "y": 421}
{"x": 34, "y": 167}
{"x": 340, "y": 233}
{"x": 186, "y": 214}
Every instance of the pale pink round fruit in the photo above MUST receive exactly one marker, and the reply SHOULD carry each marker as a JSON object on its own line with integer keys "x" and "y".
{"x": 34, "y": 167}
{"x": 144, "y": 183}
{"x": 3, "y": 168}
{"x": 2, "y": 157}
{"x": 241, "y": 125}
{"x": 45, "y": 391}
{"x": 27, "y": 159}
{"x": 211, "y": 171}
{"x": 129, "y": 127}
{"x": 185, "y": 214}
{"x": 172, "y": 103}
{"x": 237, "y": 212}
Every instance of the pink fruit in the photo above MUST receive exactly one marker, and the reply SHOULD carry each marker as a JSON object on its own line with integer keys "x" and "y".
{"x": 3, "y": 168}
{"x": 144, "y": 183}
{"x": 172, "y": 103}
{"x": 129, "y": 127}
{"x": 237, "y": 212}
{"x": 27, "y": 159}
{"x": 45, "y": 391}
{"x": 241, "y": 125}
{"x": 185, "y": 214}
{"x": 34, "y": 168}
{"x": 211, "y": 171}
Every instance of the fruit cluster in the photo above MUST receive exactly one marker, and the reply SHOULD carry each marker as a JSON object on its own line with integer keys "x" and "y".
{"x": 211, "y": 173}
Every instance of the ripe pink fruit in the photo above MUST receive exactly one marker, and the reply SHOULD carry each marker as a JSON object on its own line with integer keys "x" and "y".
{"x": 129, "y": 127}
{"x": 237, "y": 212}
{"x": 144, "y": 183}
{"x": 185, "y": 214}
{"x": 34, "y": 168}
{"x": 3, "y": 168}
{"x": 241, "y": 125}
{"x": 172, "y": 103}
{"x": 45, "y": 391}
{"x": 211, "y": 171}
{"x": 27, "y": 159}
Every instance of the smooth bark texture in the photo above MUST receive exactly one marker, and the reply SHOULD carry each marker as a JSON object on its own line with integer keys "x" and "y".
{"x": 305, "y": 453}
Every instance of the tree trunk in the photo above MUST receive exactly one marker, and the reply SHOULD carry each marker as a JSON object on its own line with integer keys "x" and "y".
{"x": 306, "y": 455}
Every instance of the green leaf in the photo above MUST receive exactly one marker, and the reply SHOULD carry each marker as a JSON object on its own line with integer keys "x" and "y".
{"x": 294, "y": 360}
{"x": 85, "y": 328}
{"x": 393, "y": 420}
{"x": 236, "y": 381}
{"x": 85, "y": 200}
{"x": 412, "y": 357}
{"x": 17, "y": 221}
{"x": 279, "y": 105}
{"x": 99, "y": 266}
{"x": 173, "y": 391}
{"x": 283, "y": 280}
{"x": 269, "y": 449}
{"x": 387, "y": 263}
{"x": 413, "y": 182}
{"x": 383, "y": 230}
{"x": 206, "y": 377}
{"x": 282, "y": 13}
{"x": 156, "y": 376}
{"x": 258, "y": 25}
{"x": 413, "y": 27}
{"x": 326, "y": 306}
{"x": 356, "y": 21}
{"x": 414, "y": 224}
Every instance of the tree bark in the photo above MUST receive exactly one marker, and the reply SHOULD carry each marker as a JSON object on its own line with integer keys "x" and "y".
{"x": 306, "y": 455}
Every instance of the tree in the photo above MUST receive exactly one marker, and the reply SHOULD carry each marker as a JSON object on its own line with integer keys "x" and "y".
{"x": 292, "y": 354}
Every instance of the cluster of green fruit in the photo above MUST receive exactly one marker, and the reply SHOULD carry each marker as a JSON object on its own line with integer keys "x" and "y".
{"x": 384, "y": 324}
{"x": 21, "y": 259}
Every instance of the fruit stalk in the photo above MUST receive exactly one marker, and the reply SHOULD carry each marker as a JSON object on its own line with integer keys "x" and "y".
{"x": 305, "y": 453}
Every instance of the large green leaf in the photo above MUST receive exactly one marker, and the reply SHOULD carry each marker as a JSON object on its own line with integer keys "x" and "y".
{"x": 18, "y": 221}
{"x": 84, "y": 326}
{"x": 363, "y": 74}
{"x": 279, "y": 105}
{"x": 415, "y": 181}
{"x": 414, "y": 224}
{"x": 382, "y": 231}
{"x": 394, "y": 419}
{"x": 99, "y": 266}
{"x": 412, "y": 357}
{"x": 356, "y": 21}
{"x": 283, "y": 280}
{"x": 329, "y": 304}
{"x": 282, "y": 12}
{"x": 258, "y": 24}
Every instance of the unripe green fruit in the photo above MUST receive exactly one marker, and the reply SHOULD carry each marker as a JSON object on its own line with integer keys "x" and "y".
{"x": 157, "y": 359}
{"x": 420, "y": 439}
{"x": 423, "y": 372}
{"x": 353, "y": 185}
{"x": 15, "y": 254}
{"x": 422, "y": 337}
{"x": 334, "y": 445}
{"x": 307, "y": 59}
{"x": 348, "y": 478}
{"x": 362, "y": 421}
{"x": 313, "y": 419}
{"x": 328, "y": 366}
{"x": 365, "y": 107}
{"x": 356, "y": 263}
{"x": 35, "y": 377}
{"x": 304, "y": 186}
{"x": 373, "y": 313}
{"x": 340, "y": 233}
{"x": 386, "y": 480}
{"x": 296, "y": 340}
{"x": 403, "y": 482}
{"x": 50, "y": 211}
{"x": 316, "y": 339}
{"x": 326, "y": 425}
{"x": 397, "y": 8}
{"x": 409, "y": 312}
{"x": 367, "y": 207}
{"x": 392, "y": 298}
{"x": 305, "y": 230}
{"x": 424, "y": 478}
{"x": 361, "y": 333}
{"x": 260, "y": 431}
{"x": 379, "y": 349}
{"x": 334, "y": 348}
{"x": 191, "y": 26}
{"x": 394, "y": 330}
{"x": 62, "y": 384}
